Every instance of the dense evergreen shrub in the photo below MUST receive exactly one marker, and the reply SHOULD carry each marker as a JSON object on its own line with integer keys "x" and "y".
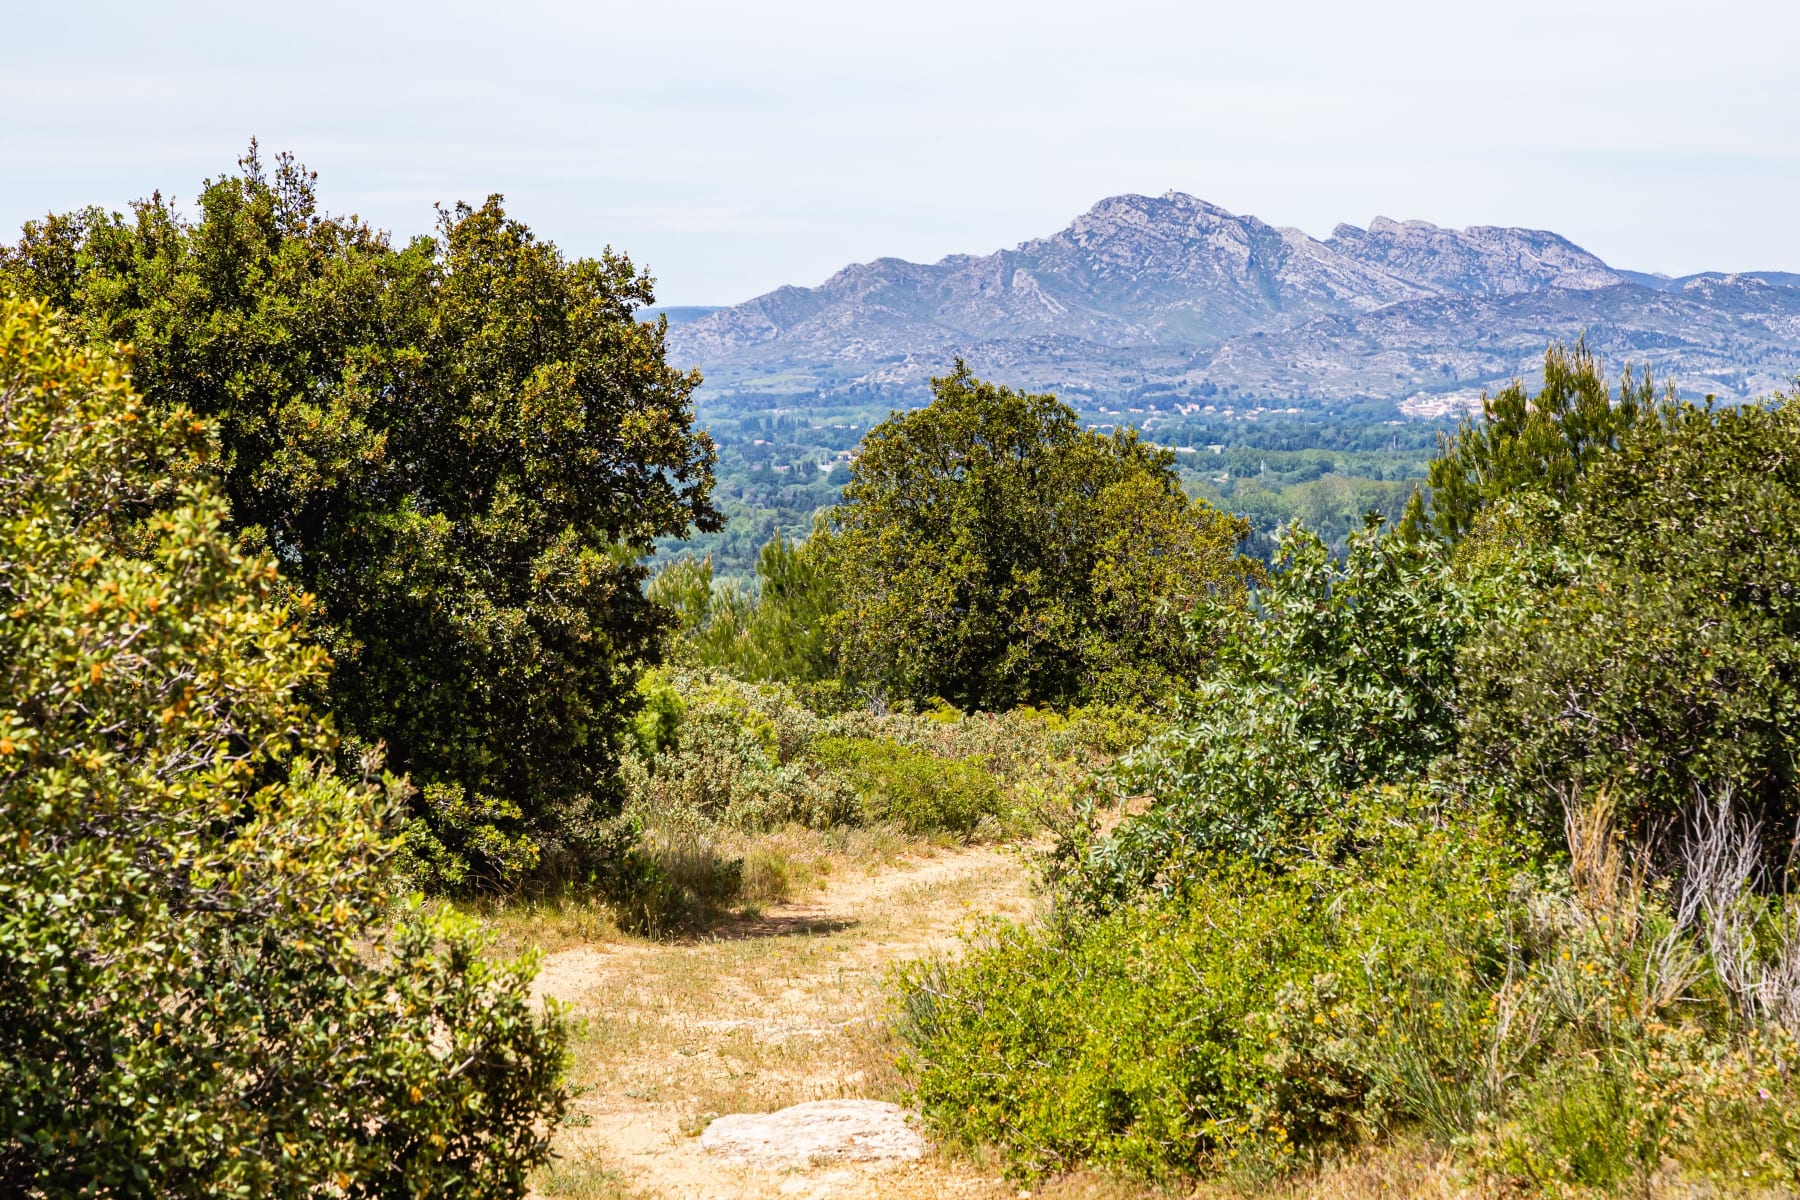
{"x": 1659, "y": 653}
{"x": 1270, "y": 1016}
{"x": 776, "y": 632}
{"x": 200, "y": 990}
{"x": 1343, "y": 673}
{"x": 912, "y": 788}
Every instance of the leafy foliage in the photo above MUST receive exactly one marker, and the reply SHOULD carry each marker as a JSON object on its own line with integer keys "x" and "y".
{"x": 460, "y": 446}
{"x": 754, "y": 756}
{"x": 1411, "y": 969}
{"x": 1344, "y": 674}
{"x": 1658, "y": 654}
{"x": 1260, "y": 1022}
{"x": 199, "y": 994}
{"x": 912, "y": 788}
{"x": 733, "y": 757}
{"x": 724, "y": 771}
{"x": 778, "y": 631}
{"x": 1330, "y": 924}
{"x": 992, "y": 552}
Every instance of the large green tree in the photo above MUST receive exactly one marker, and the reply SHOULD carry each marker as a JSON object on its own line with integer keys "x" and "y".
{"x": 991, "y": 551}
{"x": 200, "y": 992}
{"x": 461, "y": 446}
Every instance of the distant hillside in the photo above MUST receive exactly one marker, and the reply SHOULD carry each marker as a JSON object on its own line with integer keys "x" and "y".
{"x": 1167, "y": 301}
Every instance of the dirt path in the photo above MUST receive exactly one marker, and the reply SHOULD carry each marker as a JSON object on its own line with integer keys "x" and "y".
{"x": 787, "y": 1008}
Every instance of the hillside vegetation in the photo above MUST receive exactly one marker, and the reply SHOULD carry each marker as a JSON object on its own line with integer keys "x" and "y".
{"x": 1478, "y": 834}
{"x": 327, "y": 639}
{"x": 1482, "y": 834}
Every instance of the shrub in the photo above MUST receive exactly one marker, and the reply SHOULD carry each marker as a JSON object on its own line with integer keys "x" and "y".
{"x": 200, "y": 994}
{"x": 1649, "y": 1034}
{"x": 1255, "y": 1023}
{"x": 723, "y": 762}
{"x": 1658, "y": 656}
{"x": 919, "y": 792}
{"x": 718, "y": 764}
{"x": 751, "y": 756}
{"x": 1343, "y": 675}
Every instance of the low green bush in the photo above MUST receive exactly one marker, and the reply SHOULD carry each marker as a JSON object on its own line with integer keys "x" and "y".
{"x": 914, "y": 789}
{"x": 1272, "y": 1016}
{"x": 709, "y": 748}
{"x": 1632, "y": 1098}
{"x": 715, "y": 763}
{"x": 725, "y": 753}
{"x": 1573, "y": 1027}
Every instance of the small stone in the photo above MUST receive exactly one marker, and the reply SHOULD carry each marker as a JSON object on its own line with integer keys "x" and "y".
{"x": 825, "y": 1130}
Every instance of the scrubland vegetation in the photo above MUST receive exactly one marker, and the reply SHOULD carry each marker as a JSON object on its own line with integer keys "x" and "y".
{"x": 325, "y": 637}
{"x": 1481, "y": 835}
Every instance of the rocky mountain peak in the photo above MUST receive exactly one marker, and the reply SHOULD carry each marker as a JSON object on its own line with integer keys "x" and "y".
{"x": 1174, "y": 292}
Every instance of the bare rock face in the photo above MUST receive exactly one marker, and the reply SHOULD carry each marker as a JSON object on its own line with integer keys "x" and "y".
{"x": 1480, "y": 260}
{"x": 1160, "y": 300}
{"x": 823, "y": 1131}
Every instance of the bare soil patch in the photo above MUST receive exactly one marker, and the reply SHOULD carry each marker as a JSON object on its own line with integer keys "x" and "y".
{"x": 778, "y": 1009}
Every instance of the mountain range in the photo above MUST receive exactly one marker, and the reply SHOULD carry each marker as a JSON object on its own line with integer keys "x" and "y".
{"x": 1169, "y": 300}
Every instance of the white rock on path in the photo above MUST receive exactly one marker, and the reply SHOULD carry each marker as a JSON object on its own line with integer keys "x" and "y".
{"x": 825, "y": 1130}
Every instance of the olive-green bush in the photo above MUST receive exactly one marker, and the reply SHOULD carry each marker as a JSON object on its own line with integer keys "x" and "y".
{"x": 912, "y": 788}
{"x": 717, "y": 761}
{"x": 1659, "y": 653}
{"x": 1565, "y": 1027}
{"x": 1344, "y": 674}
{"x": 201, "y": 992}
{"x": 1270, "y": 1017}
{"x": 751, "y": 756}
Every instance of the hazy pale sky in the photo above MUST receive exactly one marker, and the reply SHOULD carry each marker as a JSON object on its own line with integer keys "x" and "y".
{"x": 734, "y": 147}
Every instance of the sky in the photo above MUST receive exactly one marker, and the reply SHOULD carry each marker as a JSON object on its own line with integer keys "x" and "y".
{"x": 735, "y": 147}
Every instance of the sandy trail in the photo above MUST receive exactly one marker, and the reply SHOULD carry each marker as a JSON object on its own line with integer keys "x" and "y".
{"x": 785, "y": 1008}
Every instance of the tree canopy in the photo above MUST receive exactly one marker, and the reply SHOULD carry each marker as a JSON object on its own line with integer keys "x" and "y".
{"x": 1656, "y": 653}
{"x": 990, "y": 551}
{"x": 200, "y": 994}
{"x": 461, "y": 446}
{"x": 1540, "y": 443}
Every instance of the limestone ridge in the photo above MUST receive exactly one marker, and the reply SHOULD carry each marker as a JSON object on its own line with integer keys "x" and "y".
{"x": 1170, "y": 298}
{"x": 1481, "y": 260}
